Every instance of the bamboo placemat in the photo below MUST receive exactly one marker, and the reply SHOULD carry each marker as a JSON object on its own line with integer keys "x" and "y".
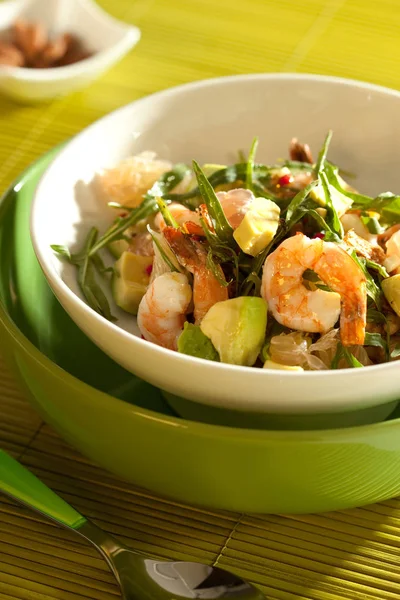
{"x": 346, "y": 555}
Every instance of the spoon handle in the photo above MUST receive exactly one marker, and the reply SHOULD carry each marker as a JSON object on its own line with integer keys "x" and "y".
{"x": 21, "y": 485}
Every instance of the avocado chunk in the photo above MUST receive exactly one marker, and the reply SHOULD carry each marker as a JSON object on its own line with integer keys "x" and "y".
{"x": 130, "y": 280}
{"x": 118, "y": 247}
{"x": 236, "y": 328}
{"x": 391, "y": 289}
{"x": 340, "y": 202}
{"x": 270, "y": 364}
{"x": 258, "y": 227}
{"x": 192, "y": 341}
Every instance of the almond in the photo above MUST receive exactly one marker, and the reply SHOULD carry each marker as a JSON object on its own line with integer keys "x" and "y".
{"x": 30, "y": 38}
{"x": 10, "y": 55}
{"x": 53, "y": 52}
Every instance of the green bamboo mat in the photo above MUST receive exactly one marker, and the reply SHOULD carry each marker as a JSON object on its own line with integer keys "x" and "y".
{"x": 351, "y": 555}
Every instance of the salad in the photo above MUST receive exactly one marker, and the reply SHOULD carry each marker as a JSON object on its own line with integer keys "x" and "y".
{"x": 282, "y": 266}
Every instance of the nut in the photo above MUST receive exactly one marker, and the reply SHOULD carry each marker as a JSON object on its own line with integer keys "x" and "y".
{"x": 52, "y": 52}
{"x": 10, "y": 55}
{"x": 28, "y": 44}
{"x": 31, "y": 39}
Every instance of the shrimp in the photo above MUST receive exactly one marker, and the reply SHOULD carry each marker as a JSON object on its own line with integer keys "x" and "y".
{"x": 235, "y": 205}
{"x": 181, "y": 214}
{"x": 162, "y": 310}
{"x": 192, "y": 255}
{"x": 297, "y": 307}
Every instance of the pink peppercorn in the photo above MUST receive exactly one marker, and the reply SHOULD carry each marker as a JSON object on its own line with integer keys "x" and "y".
{"x": 285, "y": 180}
{"x": 149, "y": 269}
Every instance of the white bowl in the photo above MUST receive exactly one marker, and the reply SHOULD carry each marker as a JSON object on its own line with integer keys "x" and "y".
{"x": 210, "y": 121}
{"x": 108, "y": 39}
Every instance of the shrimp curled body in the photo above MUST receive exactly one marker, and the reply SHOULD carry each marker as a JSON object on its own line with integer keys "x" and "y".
{"x": 297, "y": 307}
{"x": 162, "y": 310}
{"x": 192, "y": 255}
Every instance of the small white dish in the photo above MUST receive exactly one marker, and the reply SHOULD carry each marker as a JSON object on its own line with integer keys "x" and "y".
{"x": 210, "y": 121}
{"x": 108, "y": 39}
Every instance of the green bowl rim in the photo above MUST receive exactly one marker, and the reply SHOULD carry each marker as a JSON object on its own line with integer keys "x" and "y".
{"x": 202, "y": 429}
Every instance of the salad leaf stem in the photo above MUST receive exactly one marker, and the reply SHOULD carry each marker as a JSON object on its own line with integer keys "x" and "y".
{"x": 376, "y": 339}
{"x": 93, "y": 293}
{"x": 351, "y": 359}
{"x": 250, "y": 165}
{"x": 322, "y": 154}
{"x": 168, "y": 218}
{"x": 335, "y": 224}
{"x": 222, "y": 227}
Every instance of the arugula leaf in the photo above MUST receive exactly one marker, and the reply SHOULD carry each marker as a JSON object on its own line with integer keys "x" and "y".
{"x": 252, "y": 279}
{"x": 372, "y": 224}
{"x": 375, "y": 339}
{"x": 221, "y": 225}
{"x": 387, "y": 204}
{"x": 62, "y": 250}
{"x": 250, "y": 165}
{"x": 332, "y": 174}
{"x": 338, "y": 356}
{"x": 92, "y": 291}
{"x": 375, "y": 316}
{"x": 330, "y": 235}
{"x": 168, "y": 218}
{"x": 165, "y": 251}
{"x": 343, "y": 352}
{"x": 322, "y": 154}
{"x": 395, "y": 353}
{"x": 297, "y": 165}
{"x": 220, "y": 253}
{"x": 300, "y": 198}
{"x": 373, "y": 291}
{"x": 213, "y": 267}
{"x": 334, "y": 223}
{"x": 87, "y": 266}
{"x": 193, "y": 342}
{"x": 100, "y": 266}
{"x": 119, "y": 206}
{"x": 351, "y": 359}
{"x": 87, "y": 280}
{"x": 370, "y": 264}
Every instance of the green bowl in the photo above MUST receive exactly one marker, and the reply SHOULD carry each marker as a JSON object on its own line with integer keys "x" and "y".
{"x": 124, "y": 424}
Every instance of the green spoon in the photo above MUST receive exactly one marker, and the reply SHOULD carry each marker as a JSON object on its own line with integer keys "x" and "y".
{"x": 139, "y": 577}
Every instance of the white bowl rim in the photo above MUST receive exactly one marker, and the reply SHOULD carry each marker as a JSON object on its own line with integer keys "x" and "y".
{"x": 185, "y": 360}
